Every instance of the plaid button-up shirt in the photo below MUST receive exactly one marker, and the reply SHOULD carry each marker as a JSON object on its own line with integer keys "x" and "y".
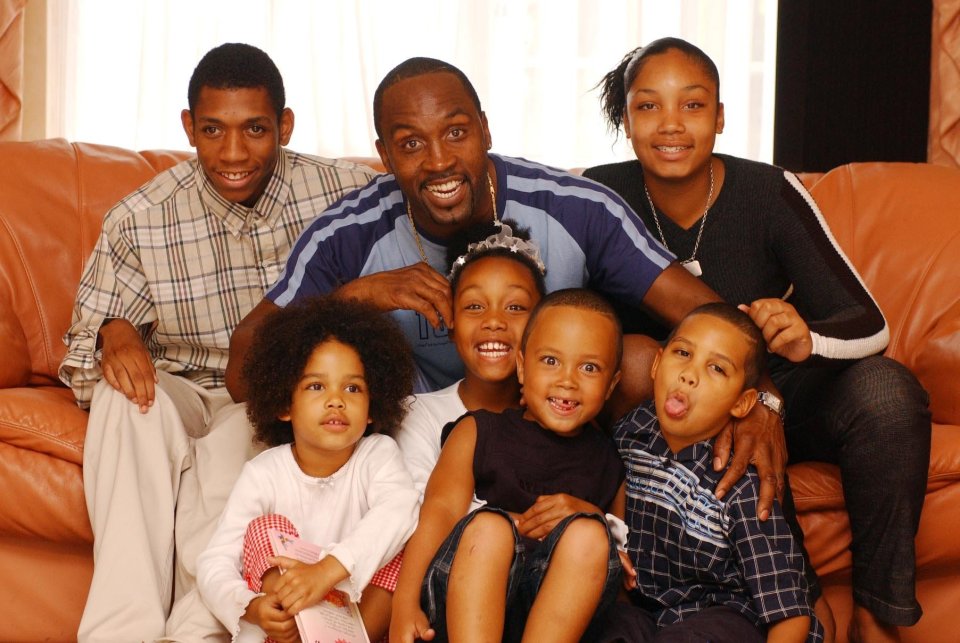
{"x": 185, "y": 265}
{"x": 692, "y": 551}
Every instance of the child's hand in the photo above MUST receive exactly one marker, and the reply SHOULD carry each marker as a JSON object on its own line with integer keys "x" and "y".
{"x": 629, "y": 573}
{"x": 268, "y": 613}
{"x": 540, "y": 519}
{"x": 301, "y": 585}
{"x": 409, "y": 626}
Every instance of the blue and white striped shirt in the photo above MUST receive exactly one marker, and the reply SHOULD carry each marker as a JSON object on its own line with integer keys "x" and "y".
{"x": 587, "y": 234}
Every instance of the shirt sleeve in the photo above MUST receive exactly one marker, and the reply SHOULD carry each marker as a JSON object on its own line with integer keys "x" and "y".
{"x": 769, "y": 558}
{"x": 390, "y": 520}
{"x": 219, "y": 575}
{"x": 419, "y": 442}
{"x": 113, "y": 285}
{"x": 844, "y": 320}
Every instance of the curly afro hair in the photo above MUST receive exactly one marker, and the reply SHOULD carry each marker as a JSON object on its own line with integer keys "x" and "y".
{"x": 286, "y": 339}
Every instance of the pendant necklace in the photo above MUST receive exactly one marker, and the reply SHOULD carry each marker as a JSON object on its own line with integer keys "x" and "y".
{"x": 416, "y": 235}
{"x": 691, "y": 264}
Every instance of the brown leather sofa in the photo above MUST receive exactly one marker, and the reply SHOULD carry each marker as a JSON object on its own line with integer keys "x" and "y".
{"x": 899, "y": 224}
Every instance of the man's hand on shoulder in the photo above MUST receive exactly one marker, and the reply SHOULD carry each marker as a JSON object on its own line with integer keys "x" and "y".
{"x": 418, "y": 287}
{"x": 757, "y": 439}
{"x": 126, "y": 363}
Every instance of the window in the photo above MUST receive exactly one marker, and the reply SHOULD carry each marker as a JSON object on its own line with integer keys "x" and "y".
{"x": 118, "y": 69}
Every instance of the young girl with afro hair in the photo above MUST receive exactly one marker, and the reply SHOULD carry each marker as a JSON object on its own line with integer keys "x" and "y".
{"x": 328, "y": 379}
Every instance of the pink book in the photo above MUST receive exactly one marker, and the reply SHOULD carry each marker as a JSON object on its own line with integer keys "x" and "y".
{"x": 336, "y": 619}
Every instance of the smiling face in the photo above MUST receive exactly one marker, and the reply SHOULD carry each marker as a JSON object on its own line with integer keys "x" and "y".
{"x": 238, "y": 139}
{"x": 672, "y": 116}
{"x": 329, "y": 408}
{"x": 569, "y": 367}
{"x": 491, "y": 306}
{"x": 698, "y": 380}
{"x": 435, "y": 142}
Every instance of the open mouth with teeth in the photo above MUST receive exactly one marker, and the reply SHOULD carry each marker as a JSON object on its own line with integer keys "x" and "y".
{"x": 446, "y": 190}
{"x": 493, "y": 350}
{"x": 563, "y": 406}
{"x": 671, "y": 149}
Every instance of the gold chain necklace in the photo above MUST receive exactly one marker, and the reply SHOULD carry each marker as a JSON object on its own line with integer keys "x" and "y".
{"x": 416, "y": 235}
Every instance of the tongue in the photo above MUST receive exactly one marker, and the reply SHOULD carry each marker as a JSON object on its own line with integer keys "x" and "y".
{"x": 674, "y": 407}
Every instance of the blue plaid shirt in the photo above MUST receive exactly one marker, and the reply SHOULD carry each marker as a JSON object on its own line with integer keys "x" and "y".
{"x": 692, "y": 551}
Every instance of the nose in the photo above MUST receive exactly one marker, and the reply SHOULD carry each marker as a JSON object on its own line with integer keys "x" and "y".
{"x": 493, "y": 320}
{"x": 670, "y": 121}
{"x": 335, "y": 400}
{"x": 439, "y": 156}
{"x": 689, "y": 377}
{"x": 567, "y": 376}
{"x": 234, "y": 147}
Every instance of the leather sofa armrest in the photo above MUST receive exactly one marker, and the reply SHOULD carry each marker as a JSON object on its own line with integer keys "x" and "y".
{"x": 937, "y": 365}
{"x": 14, "y": 355}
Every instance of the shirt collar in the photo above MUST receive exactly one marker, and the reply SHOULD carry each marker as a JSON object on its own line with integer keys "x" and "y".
{"x": 239, "y": 219}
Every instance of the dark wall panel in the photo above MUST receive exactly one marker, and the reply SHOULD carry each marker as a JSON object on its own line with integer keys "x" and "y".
{"x": 853, "y": 79}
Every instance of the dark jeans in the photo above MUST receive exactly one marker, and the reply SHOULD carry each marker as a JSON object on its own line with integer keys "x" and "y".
{"x": 531, "y": 559}
{"x": 871, "y": 419}
{"x": 627, "y": 623}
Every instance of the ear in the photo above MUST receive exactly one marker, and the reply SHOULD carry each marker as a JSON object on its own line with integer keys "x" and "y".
{"x": 656, "y": 364}
{"x": 286, "y": 125}
{"x": 626, "y": 122}
{"x": 382, "y": 151}
{"x": 744, "y": 403}
{"x": 520, "y": 367}
{"x": 613, "y": 384}
{"x": 186, "y": 119}
{"x": 487, "y": 138}
{"x": 720, "y": 121}
{"x": 285, "y": 416}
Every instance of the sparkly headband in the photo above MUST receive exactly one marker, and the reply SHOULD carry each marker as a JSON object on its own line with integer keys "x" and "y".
{"x": 502, "y": 239}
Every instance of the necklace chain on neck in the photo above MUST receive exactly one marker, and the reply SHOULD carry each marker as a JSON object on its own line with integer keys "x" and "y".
{"x": 416, "y": 235}
{"x": 703, "y": 220}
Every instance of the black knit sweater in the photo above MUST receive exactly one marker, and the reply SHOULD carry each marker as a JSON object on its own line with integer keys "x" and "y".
{"x": 763, "y": 234}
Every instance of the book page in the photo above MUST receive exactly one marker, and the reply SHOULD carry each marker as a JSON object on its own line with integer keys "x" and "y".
{"x": 336, "y": 619}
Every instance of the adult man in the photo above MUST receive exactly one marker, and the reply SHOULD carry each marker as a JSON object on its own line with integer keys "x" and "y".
{"x": 386, "y": 245}
{"x": 178, "y": 263}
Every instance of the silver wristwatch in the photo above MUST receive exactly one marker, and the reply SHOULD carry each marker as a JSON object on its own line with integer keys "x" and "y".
{"x": 772, "y": 402}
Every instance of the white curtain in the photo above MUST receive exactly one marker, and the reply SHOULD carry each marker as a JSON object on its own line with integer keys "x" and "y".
{"x": 119, "y": 68}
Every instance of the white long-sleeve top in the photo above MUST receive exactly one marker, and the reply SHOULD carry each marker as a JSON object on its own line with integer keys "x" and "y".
{"x": 363, "y": 515}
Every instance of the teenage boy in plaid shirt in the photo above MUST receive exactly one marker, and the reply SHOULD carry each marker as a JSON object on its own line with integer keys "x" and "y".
{"x": 178, "y": 263}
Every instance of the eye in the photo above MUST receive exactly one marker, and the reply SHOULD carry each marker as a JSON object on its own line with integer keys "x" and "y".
{"x": 549, "y": 360}
{"x": 410, "y": 145}
{"x": 473, "y": 306}
{"x": 716, "y": 368}
{"x": 314, "y": 386}
{"x": 693, "y": 105}
{"x": 590, "y": 367}
{"x": 457, "y": 133}
{"x": 257, "y": 129}
{"x": 517, "y": 308}
{"x": 353, "y": 388}
{"x": 681, "y": 352}
{"x": 645, "y": 107}
{"x": 210, "y": 130}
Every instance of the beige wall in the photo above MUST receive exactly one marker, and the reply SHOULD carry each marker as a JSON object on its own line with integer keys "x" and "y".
{"x": 35, "y": 71}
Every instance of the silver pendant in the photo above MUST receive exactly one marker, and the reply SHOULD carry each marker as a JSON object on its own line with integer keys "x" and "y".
{"x": 693, "y": 267}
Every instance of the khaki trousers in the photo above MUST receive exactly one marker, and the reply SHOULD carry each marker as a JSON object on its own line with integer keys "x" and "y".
{"x": 155, "y": 485}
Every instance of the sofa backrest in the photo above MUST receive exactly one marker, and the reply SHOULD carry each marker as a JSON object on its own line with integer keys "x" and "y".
{"x": 53, "y": 195}
{"x": 899, "y": 223}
